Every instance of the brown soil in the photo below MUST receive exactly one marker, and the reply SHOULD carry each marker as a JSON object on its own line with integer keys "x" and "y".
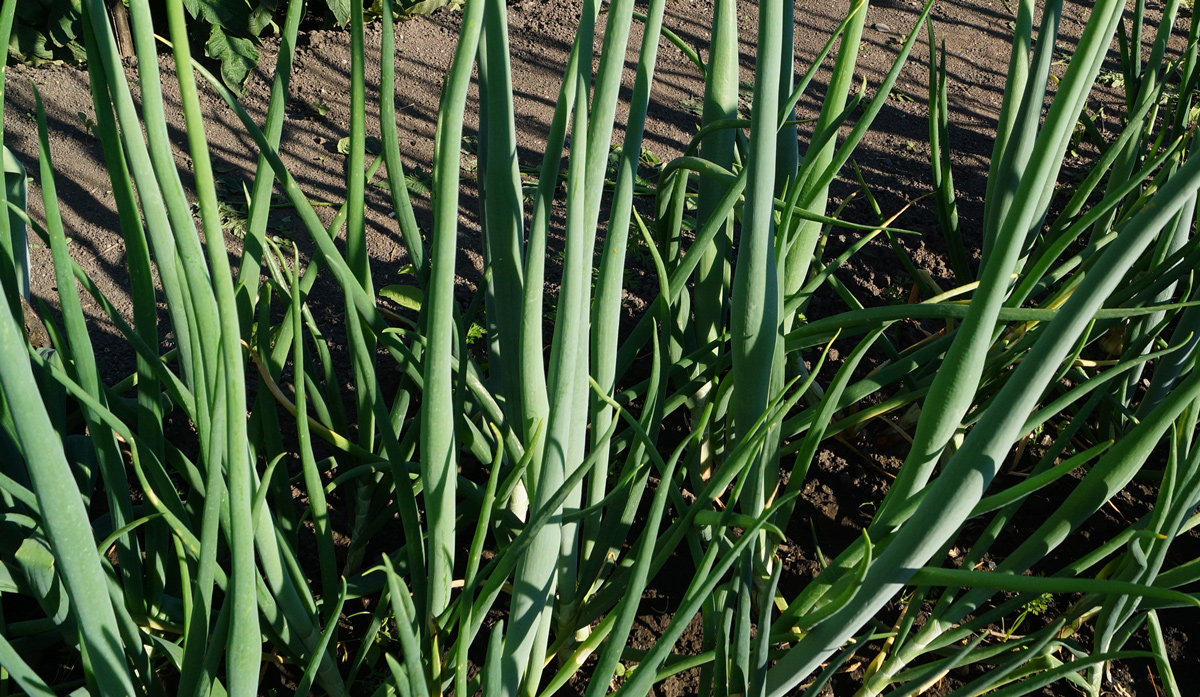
{"x": 894, "y": 159}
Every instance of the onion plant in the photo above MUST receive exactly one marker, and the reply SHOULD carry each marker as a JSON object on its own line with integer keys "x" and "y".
{"x": 548, "y": 486}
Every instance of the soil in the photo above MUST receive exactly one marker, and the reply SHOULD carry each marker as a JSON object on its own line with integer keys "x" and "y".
{"x": 893, "y": 157}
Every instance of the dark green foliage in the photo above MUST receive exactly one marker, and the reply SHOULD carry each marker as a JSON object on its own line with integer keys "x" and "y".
{"x": 46, "y": 30}
{"x": 407, "y": 8}
{"x": 238, "y": 55}
{"x": 235, "y": 26}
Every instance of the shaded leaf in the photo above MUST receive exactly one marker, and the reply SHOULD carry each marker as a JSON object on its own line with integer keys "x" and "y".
{"x": 231, "y": 15}
{"x": 260, "y": 18}
{"x": 29, "y": 46}
{"x": 36, "y": 563}
{"x": 372, "y": 145}
{"x": 425, "y": 7}
{"x": 238, "y": 56}
{"x": 35, "y": 12}
{"x": 340, "y": 10}
{"x": 408, "y": 297}
{"x": 63, "y": 25}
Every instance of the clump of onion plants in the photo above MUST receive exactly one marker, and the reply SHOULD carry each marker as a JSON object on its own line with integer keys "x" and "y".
{"x": 181, "y": 572}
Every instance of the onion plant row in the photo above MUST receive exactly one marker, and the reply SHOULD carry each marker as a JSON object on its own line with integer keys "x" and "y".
{"x": 532, "y": 491}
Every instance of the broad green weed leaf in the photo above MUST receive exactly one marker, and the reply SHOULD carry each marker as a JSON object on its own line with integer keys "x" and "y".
{"x": 238, "y": 56}
{"x": 233, "y": 15}
{"x": 37, "y": 566}
{"x": 428, "y": 6}
{"x": 29, "y": 46}
{"x": 8, "y": 584}
{"x": 340, "y": 10}
{"x": 372, "y": 145}
{"x": 63, "y": 26}
{"x": 33, "y": 12}
{"x": 260, "y": 18}
{"x": 408, "y": 297}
